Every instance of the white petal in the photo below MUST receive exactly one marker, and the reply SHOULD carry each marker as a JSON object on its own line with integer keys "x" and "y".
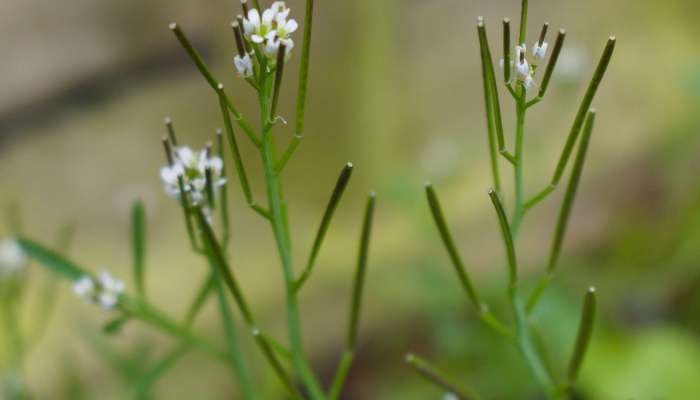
{"x": 254, "y": 17}
{"x": 290, "y": 27}
{"x": 268, "y": 16}
{"x": 185, "y": 155}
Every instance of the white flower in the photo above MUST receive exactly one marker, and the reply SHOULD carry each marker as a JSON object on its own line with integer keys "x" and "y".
{"x": 85, "y": 288}
{"x": 269, "y": 30}
{"x": 192, "y": 167}
{"x": 103, "y": 290}
{"x": 244, "y": 65}
{"x": 280, "y": 9}
{"x": 539, "y": 51}
{"x": 12, "y": 258}
{"x": 256, "y": 28}
{"x": 523, "y": 71}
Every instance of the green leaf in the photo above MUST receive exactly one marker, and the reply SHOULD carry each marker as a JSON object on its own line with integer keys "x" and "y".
{"x": 52, "y": 260}
{"x": 114, "y": 326}
{"x": 138, "y": 243}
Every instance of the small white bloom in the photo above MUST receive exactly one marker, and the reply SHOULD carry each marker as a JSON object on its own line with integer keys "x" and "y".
{"x": 256, "y": 28}
{"x": 244, "y": 65}
{"x": 85, "y": 288}
{"x": 280, "y": 10}
{"x": 450, "y": 396}
{"x": 192, "y": 167}
{"x": 523, "y": 69}
{"x": 12, "y": 257}
{"x": 539, "y": 52}
{"x": 103, "y": 290}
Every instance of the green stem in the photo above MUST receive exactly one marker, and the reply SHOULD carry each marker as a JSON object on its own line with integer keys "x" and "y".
{"x": 526, "y": 346}
{"x": 519, "y": 208}
{"x": 523, "y": 22}
{"x": 278, "y": 224}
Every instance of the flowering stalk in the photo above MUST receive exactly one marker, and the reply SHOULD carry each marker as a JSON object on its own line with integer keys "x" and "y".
{"x": 519, "y": 79}
{"x": 264, "y": 45}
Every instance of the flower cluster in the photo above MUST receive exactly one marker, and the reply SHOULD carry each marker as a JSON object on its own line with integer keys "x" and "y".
{"x": 191, "y": 166}
{"x": 265, "y": 32}
{"x": 103, "y": 290}
{"x": 525, "y": 71}
{"x": 12, "y": 258}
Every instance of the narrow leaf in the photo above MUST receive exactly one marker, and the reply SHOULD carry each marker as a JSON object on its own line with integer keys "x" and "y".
{"x": 361, "y": 270}
{"x": 438, "y": 378}
{"x": 277, "y": 366}
{"x": 584, "y": 334}
{"x": 446, "y": 237}
{"x": 583, "y": 109}
{"x": 138, "y": 244}
{"x": 338, "y": 191}
{"x": 507, "y": 238}
{"x": 52, "y": 260}
{"x": 304, "y": 68}
{"x": 219, "y": 261}
{"x": 570, "y": 194}
{"x": 552, "y": 62}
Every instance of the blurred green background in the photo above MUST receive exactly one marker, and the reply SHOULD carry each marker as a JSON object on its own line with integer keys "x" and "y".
{"x": 396, "y": 89}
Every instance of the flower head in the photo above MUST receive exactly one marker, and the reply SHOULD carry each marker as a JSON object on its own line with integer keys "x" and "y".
{"x": 523, "y": 70}
{"x": 192, "y": 166}
{"x": 244, "y": 65}
{"x": 12, "y": 257}
{"x": 104, "y": 290}
{"x": 269, "y": 31}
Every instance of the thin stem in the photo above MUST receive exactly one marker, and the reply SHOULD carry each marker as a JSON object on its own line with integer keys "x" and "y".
{"x": 523, "y": 22}
{"x": 138, "y": 243}
{"x": 447, "y": 240}
{"x": 338, "y": 191}
{"x": 507, "y": 238}
{"x": 494, "y": 135}
{"x": 341, "y": 374}
{"x": 213, "y": 82}
{"x": 218, "y": 260}
{"x": 304, "y": 69}
{"x": 519, "y": 208}
{"x": 438, "y": 378}
{"x": 526, "y": 346}
{"x": 205, "y": 289}
{"x": 223, "y": 194}
{"x": 565, "y": 211}
{"x": 185, "y": 204}
{"x": 490, "y": 77}
{"x": 236, "y": 355}
{"x": 583, "y": 109}
{"x": 552, "y": 63}
{"x": 280, "y": 233}
{"x": 291, "y": 148}
{"x": 279, "y": 75}
{"x": 277, "y": 366}
{"x": 356, "y": 302}
{"x": 157, "y": 319}
{"x": 240, "y": 167}
{"x": 506, "y": 50}
{"x": 539, "y": 197}
{"x": 584, "y": 335}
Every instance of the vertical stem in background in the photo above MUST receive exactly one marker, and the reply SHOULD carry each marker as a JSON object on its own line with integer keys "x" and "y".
{"x": 523, "y": 22}
{"x": 519, "y": 206}
{"x": 373, "y": 84}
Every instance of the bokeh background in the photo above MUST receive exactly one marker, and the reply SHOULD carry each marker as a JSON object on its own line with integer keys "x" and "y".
{"x": 396, "y": 89}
